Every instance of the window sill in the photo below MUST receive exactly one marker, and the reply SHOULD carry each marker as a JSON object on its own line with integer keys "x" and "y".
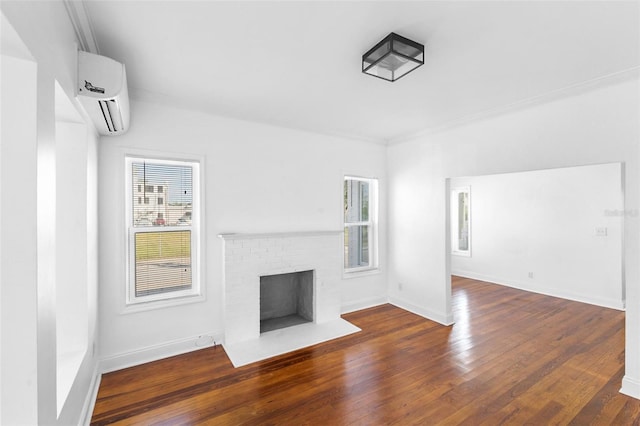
{"x": 132, "y": 308}
{"x": 461, "y": 253}
{"x": 360, "y": 273}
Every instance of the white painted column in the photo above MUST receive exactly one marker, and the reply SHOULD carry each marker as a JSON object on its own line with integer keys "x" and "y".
{"x": 18, "y": 242}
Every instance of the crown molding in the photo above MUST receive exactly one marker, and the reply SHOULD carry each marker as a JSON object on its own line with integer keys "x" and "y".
{"x": 564, "y": 92}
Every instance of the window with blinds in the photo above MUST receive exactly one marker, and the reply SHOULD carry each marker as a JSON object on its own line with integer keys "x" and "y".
{"x": 163, "y": 215}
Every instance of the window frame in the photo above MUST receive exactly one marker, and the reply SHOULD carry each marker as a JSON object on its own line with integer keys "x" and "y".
{"x": 455, "y": 227}
{"x": 371, "y": 224}
{"x": 196, "y": 292}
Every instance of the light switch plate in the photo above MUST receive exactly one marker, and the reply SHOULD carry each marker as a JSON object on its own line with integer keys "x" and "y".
{"x": 601, "y": 232}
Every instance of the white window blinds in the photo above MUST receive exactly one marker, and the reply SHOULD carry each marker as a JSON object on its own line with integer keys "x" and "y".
{"x": 162, "y": 243}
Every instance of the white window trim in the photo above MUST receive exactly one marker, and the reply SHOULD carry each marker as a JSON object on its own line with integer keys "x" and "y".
{"x": 372, "y": 223}
{"x": 197, "y": 292}
{"x": 455, "y": 250}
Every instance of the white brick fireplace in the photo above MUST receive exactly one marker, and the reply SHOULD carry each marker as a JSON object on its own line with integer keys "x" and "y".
{"x": 247, "y": 257}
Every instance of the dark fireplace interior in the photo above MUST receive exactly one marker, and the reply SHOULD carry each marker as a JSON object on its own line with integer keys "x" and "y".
{"x": 286, "y": 300}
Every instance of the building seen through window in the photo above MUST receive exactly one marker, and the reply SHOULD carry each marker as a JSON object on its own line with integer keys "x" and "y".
{"x": 163, "y": 194}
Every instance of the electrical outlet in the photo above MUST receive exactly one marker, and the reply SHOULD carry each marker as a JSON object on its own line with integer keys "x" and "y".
{"x": 205, "y": 340}
{"x": 400, "y": 286}
{"x": 601, "y": 232}
{"x": 531, "y": 275}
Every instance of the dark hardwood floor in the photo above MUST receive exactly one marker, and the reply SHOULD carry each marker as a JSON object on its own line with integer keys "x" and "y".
{"x": 511, "y": 358}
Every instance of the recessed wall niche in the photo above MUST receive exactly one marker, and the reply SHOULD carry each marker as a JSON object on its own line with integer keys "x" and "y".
{"x": 70, "y": 199}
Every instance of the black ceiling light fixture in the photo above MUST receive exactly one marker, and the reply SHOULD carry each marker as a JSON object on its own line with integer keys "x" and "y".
{"x": 393, "y": 57}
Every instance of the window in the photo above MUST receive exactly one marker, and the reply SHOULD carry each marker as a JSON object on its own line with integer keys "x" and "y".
{"x": 160, "y": 189}
{"x": 360, "y": 215}
{"x": 163, "y": 251}
{"x": 461, "y": 221}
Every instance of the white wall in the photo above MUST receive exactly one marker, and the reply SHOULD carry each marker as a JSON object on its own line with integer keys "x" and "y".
{"x": 258, "y": 179}
{"x": 30, "y": 242}
{"x": 19, "y": 392}
{"x": 544, "y": 222}
{"x": 591, "y": 127}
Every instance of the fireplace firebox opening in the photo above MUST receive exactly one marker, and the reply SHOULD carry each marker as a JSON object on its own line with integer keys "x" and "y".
{"x": 286, "y": 300}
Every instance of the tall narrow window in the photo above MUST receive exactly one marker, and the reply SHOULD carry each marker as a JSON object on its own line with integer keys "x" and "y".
{"x": 163, "y": 247}
{"x": 461, "y": 221}
{"x": 360, "y": 215}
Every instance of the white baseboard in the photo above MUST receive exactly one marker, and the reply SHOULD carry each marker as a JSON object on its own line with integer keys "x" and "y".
{"x": 439, "y": 317}
{"x": 156, "y": 352}
{"x": 546, "y": 290}
{"x": 90, "y": 400}
{"x": 630, "y": 387}
{"x": 363, "y": 304}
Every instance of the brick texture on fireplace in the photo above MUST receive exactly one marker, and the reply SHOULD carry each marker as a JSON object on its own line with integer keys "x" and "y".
{"x": 247, "y": 257}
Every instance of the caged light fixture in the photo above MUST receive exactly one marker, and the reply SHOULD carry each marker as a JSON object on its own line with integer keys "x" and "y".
{"x": 393, "y": 57}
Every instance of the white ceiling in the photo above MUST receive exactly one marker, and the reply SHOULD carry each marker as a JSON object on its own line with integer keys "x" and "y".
{"x": 298, "y": 64}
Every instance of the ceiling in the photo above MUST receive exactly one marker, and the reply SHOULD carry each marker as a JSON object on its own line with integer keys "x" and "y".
{"x": 298, "y": 64}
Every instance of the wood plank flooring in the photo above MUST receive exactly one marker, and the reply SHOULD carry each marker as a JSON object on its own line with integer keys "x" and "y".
{"x": 511, "y": 358}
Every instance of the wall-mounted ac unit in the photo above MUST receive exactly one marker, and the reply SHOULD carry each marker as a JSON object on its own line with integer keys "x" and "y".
{"x": 102, "y": 90}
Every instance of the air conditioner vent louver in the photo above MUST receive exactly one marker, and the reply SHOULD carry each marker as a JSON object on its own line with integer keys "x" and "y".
{"x": 102, "y": 89}
{"x": 111, "y": 115}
